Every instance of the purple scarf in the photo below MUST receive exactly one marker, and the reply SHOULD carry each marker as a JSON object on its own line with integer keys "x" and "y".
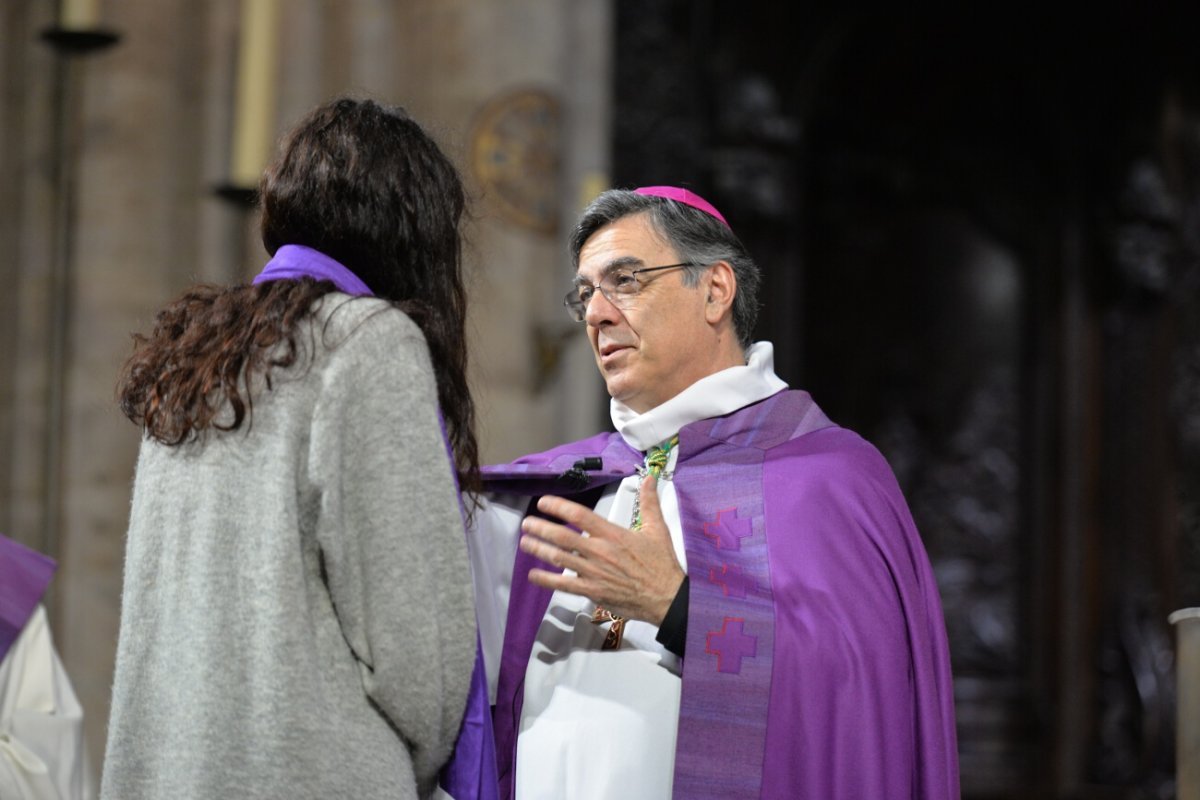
{"x": 295, "y": 261}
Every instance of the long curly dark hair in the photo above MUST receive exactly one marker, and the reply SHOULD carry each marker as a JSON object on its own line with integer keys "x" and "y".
{"x": 365, "y": 185}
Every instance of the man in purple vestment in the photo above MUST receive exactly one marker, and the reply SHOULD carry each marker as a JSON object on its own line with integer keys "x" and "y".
{"x": 749, "y": 610}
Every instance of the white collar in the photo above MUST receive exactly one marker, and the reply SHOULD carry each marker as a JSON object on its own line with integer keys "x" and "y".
{"x": 711, "y": 396}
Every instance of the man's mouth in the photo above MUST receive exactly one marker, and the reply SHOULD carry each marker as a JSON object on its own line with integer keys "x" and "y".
{"x": 610, "y": 349}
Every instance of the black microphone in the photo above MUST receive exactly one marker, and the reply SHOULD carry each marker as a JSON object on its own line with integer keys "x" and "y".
{"x": 576, "y": 478}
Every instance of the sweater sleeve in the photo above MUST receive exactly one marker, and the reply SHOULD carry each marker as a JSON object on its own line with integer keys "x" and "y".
{"x": 391, "y": 534}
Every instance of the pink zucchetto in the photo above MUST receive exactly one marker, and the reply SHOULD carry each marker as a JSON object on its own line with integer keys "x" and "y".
{"x": 682, "y": 196}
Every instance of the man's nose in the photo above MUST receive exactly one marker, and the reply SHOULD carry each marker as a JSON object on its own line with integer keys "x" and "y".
{"x": 601, "y": 310}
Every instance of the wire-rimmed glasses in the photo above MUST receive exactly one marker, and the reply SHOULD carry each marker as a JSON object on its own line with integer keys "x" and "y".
{"x": 619, "y": 286}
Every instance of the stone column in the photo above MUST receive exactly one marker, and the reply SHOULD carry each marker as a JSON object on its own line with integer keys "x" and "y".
{"x": 143, "y": 203}
{"x": 474, "y": 71}
{"x": 1187, "y": 718}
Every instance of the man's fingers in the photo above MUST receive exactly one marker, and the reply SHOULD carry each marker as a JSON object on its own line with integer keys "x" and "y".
{"x": 559, "y": 545}
{"x": 648, "y": 500}
{"x": 632, "y": 575}
{"x": 577, "y": 516}
{"x": 572, "y": 584}
{"x": 649, "y": 490}
{"x": 548, "y": 580}
{"x": 550, "y": 553}
{"x": 556, "y": 534}
{"x": 555, "y": 580}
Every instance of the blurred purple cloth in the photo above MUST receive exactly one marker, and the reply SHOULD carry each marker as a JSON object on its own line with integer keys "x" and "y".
{"x": 24, "y": 575}
{"x": 471, "y": 772}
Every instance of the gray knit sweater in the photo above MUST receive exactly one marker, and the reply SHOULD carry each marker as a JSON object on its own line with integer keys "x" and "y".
{"x": 297, "y": 618}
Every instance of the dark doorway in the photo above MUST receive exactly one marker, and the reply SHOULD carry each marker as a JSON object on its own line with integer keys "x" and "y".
{"x": 980, "y": 237}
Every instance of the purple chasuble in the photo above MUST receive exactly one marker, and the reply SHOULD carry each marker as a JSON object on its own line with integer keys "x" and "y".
{"x": 295, "y": 261}
{"x": 817, "y": 664}
{"x": 24, "y": 575}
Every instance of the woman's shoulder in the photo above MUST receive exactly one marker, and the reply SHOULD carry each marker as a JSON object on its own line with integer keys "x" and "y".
{"x": 341, "y": 317}
{"x": 357, "y": 338}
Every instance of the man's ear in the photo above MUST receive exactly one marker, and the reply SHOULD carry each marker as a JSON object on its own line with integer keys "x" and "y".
{"x": 721, "y": 288}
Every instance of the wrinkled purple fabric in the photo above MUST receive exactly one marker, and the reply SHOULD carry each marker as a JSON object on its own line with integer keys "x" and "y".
{"x": 817, "y": 664}
{"x": 24, "y": 575}
{"x": 295, "y": 261}
{"x": 470, "y": 774}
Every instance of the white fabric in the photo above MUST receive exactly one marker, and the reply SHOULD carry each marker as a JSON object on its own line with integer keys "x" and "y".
{"x": 492, "y": 544}
{"x": 42, "y": 753}
{"x": 720, "y": 393}
{"x": 601, "y": 724}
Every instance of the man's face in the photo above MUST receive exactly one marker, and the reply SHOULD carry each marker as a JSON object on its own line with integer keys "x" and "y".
{"x": 659, "y": 344}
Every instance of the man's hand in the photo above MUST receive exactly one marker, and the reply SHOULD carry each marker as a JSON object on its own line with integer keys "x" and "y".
{"x": 633, "y": 574}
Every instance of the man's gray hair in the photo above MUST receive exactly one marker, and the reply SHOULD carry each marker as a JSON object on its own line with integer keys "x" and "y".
{"x": 697, "y": 236}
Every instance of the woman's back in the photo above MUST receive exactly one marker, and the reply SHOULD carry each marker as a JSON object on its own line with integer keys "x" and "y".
{"x": 297, "y": 616}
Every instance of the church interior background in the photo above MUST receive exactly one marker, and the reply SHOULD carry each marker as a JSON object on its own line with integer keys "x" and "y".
{"x": 980, "y": 235}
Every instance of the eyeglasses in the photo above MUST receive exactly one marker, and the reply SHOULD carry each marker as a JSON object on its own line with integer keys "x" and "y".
{"x": 620, "y": 287}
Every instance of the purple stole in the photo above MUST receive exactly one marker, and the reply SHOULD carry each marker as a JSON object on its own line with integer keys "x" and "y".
{"x": 24, "y": 575}
{"x": 731, "y": 613}
{"x": 295, "y": 261}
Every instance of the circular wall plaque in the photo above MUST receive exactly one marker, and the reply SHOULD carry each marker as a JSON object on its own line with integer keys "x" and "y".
{"x": 515, "y": 157}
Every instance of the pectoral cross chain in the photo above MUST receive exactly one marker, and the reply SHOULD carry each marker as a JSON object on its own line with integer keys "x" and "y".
{"x": 656, "y": 462}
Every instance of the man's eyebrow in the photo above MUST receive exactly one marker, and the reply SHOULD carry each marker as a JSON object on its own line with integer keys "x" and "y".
{"x": 623, "y": 262}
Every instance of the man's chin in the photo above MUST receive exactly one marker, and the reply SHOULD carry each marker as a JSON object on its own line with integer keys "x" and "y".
{"x": 617, "y": 389}
{"x": 635, "y": 401}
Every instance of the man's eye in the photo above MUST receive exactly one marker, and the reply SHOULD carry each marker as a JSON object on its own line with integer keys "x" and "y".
{"x": 585, "y": 293}
{"x": 623, "y": 282}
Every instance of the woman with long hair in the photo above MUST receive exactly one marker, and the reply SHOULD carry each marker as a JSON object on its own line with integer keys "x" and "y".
{"x": 297, "y": 617}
